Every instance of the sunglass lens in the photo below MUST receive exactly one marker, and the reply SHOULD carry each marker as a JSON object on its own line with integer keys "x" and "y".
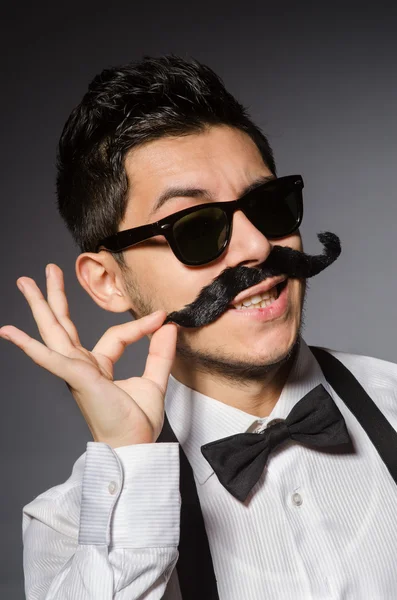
{"x": 201, "y": 235}
{"x": 276, "y": 213}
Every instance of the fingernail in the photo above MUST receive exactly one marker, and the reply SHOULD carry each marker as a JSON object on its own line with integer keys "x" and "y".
{"x": 47, "y": 270}
{"x": 5, "y": 337}
{"x": 20, "y": 285}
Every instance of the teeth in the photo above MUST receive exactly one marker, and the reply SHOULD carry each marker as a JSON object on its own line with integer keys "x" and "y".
{"x": 259, "y": 300}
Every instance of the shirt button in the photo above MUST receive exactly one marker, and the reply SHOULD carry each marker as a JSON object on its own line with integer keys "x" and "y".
{"x": 112, "y": 487}
{"x": 258, "y": 426}
{"x": 297, "y": 499}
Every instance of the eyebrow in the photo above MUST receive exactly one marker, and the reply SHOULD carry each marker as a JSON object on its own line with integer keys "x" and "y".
{"x": 189, "y": 192}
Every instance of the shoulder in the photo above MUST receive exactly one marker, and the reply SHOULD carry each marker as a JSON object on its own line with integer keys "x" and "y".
{"x": 377, "y": 376}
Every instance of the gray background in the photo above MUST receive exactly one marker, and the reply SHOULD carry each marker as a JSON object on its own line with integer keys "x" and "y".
{"x": 320, "y": 81}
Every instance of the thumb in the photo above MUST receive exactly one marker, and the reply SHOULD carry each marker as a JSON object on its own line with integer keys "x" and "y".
{"x": 161, "y": 355}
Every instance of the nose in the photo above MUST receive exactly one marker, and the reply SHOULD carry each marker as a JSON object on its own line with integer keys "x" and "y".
{"x": 247, "y": 244}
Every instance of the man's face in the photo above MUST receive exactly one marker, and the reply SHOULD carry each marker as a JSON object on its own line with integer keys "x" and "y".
{"x": 224, "y": 161}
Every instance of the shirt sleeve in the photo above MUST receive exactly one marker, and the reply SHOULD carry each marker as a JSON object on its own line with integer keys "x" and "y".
{"x": 111, "y": 531}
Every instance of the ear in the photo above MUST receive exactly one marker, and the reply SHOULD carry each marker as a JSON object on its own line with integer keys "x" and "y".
{"x": 100, "y": 276}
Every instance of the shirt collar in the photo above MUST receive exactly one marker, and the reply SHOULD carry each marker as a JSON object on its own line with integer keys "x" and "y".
{"x": 197, "y": 419}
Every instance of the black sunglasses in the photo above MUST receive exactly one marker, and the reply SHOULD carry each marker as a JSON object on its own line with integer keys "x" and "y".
{"x": 200, "y": 234}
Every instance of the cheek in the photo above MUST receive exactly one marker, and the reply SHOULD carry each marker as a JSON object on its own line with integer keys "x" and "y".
{"x": 297, "y": 295}
{"x": 292, "y": 241}
{"x": 177, "y": 286}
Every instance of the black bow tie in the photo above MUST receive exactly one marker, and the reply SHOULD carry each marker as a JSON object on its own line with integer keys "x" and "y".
{"x": 238, "y": 460}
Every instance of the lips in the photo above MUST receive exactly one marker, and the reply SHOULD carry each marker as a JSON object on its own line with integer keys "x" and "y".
{"x": 261, "y": 288}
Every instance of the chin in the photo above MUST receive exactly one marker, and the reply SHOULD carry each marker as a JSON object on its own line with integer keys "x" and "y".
{"x": 277, "y": 346}
{"x": 274, "y": 344}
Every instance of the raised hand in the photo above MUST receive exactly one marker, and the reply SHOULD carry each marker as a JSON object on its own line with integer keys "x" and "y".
{"x": 119, "y": 413}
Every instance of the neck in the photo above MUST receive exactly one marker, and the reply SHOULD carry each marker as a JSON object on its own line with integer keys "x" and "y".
{"x": 257, "y": 397}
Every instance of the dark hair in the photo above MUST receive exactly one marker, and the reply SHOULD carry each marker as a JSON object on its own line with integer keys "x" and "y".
{"x": 124, "y": 107}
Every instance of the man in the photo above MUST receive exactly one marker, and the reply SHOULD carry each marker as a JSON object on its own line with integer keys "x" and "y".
{"x": 150, "y": 140}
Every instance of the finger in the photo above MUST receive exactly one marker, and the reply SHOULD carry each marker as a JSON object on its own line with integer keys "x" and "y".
{"x": 44, "y": 357}
{"x": 58, "y": 303}
{"x": 51, "y": 331}
{"x": 115, "y": 340}
{"x": 161, "y": 355}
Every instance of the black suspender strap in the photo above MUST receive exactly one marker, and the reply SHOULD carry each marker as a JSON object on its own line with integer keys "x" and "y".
{"x": 377, "y": 427}
{"x": 194, "y": 566}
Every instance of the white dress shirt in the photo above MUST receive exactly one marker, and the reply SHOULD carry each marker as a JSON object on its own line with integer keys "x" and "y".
{"x": 317, "y": 525}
